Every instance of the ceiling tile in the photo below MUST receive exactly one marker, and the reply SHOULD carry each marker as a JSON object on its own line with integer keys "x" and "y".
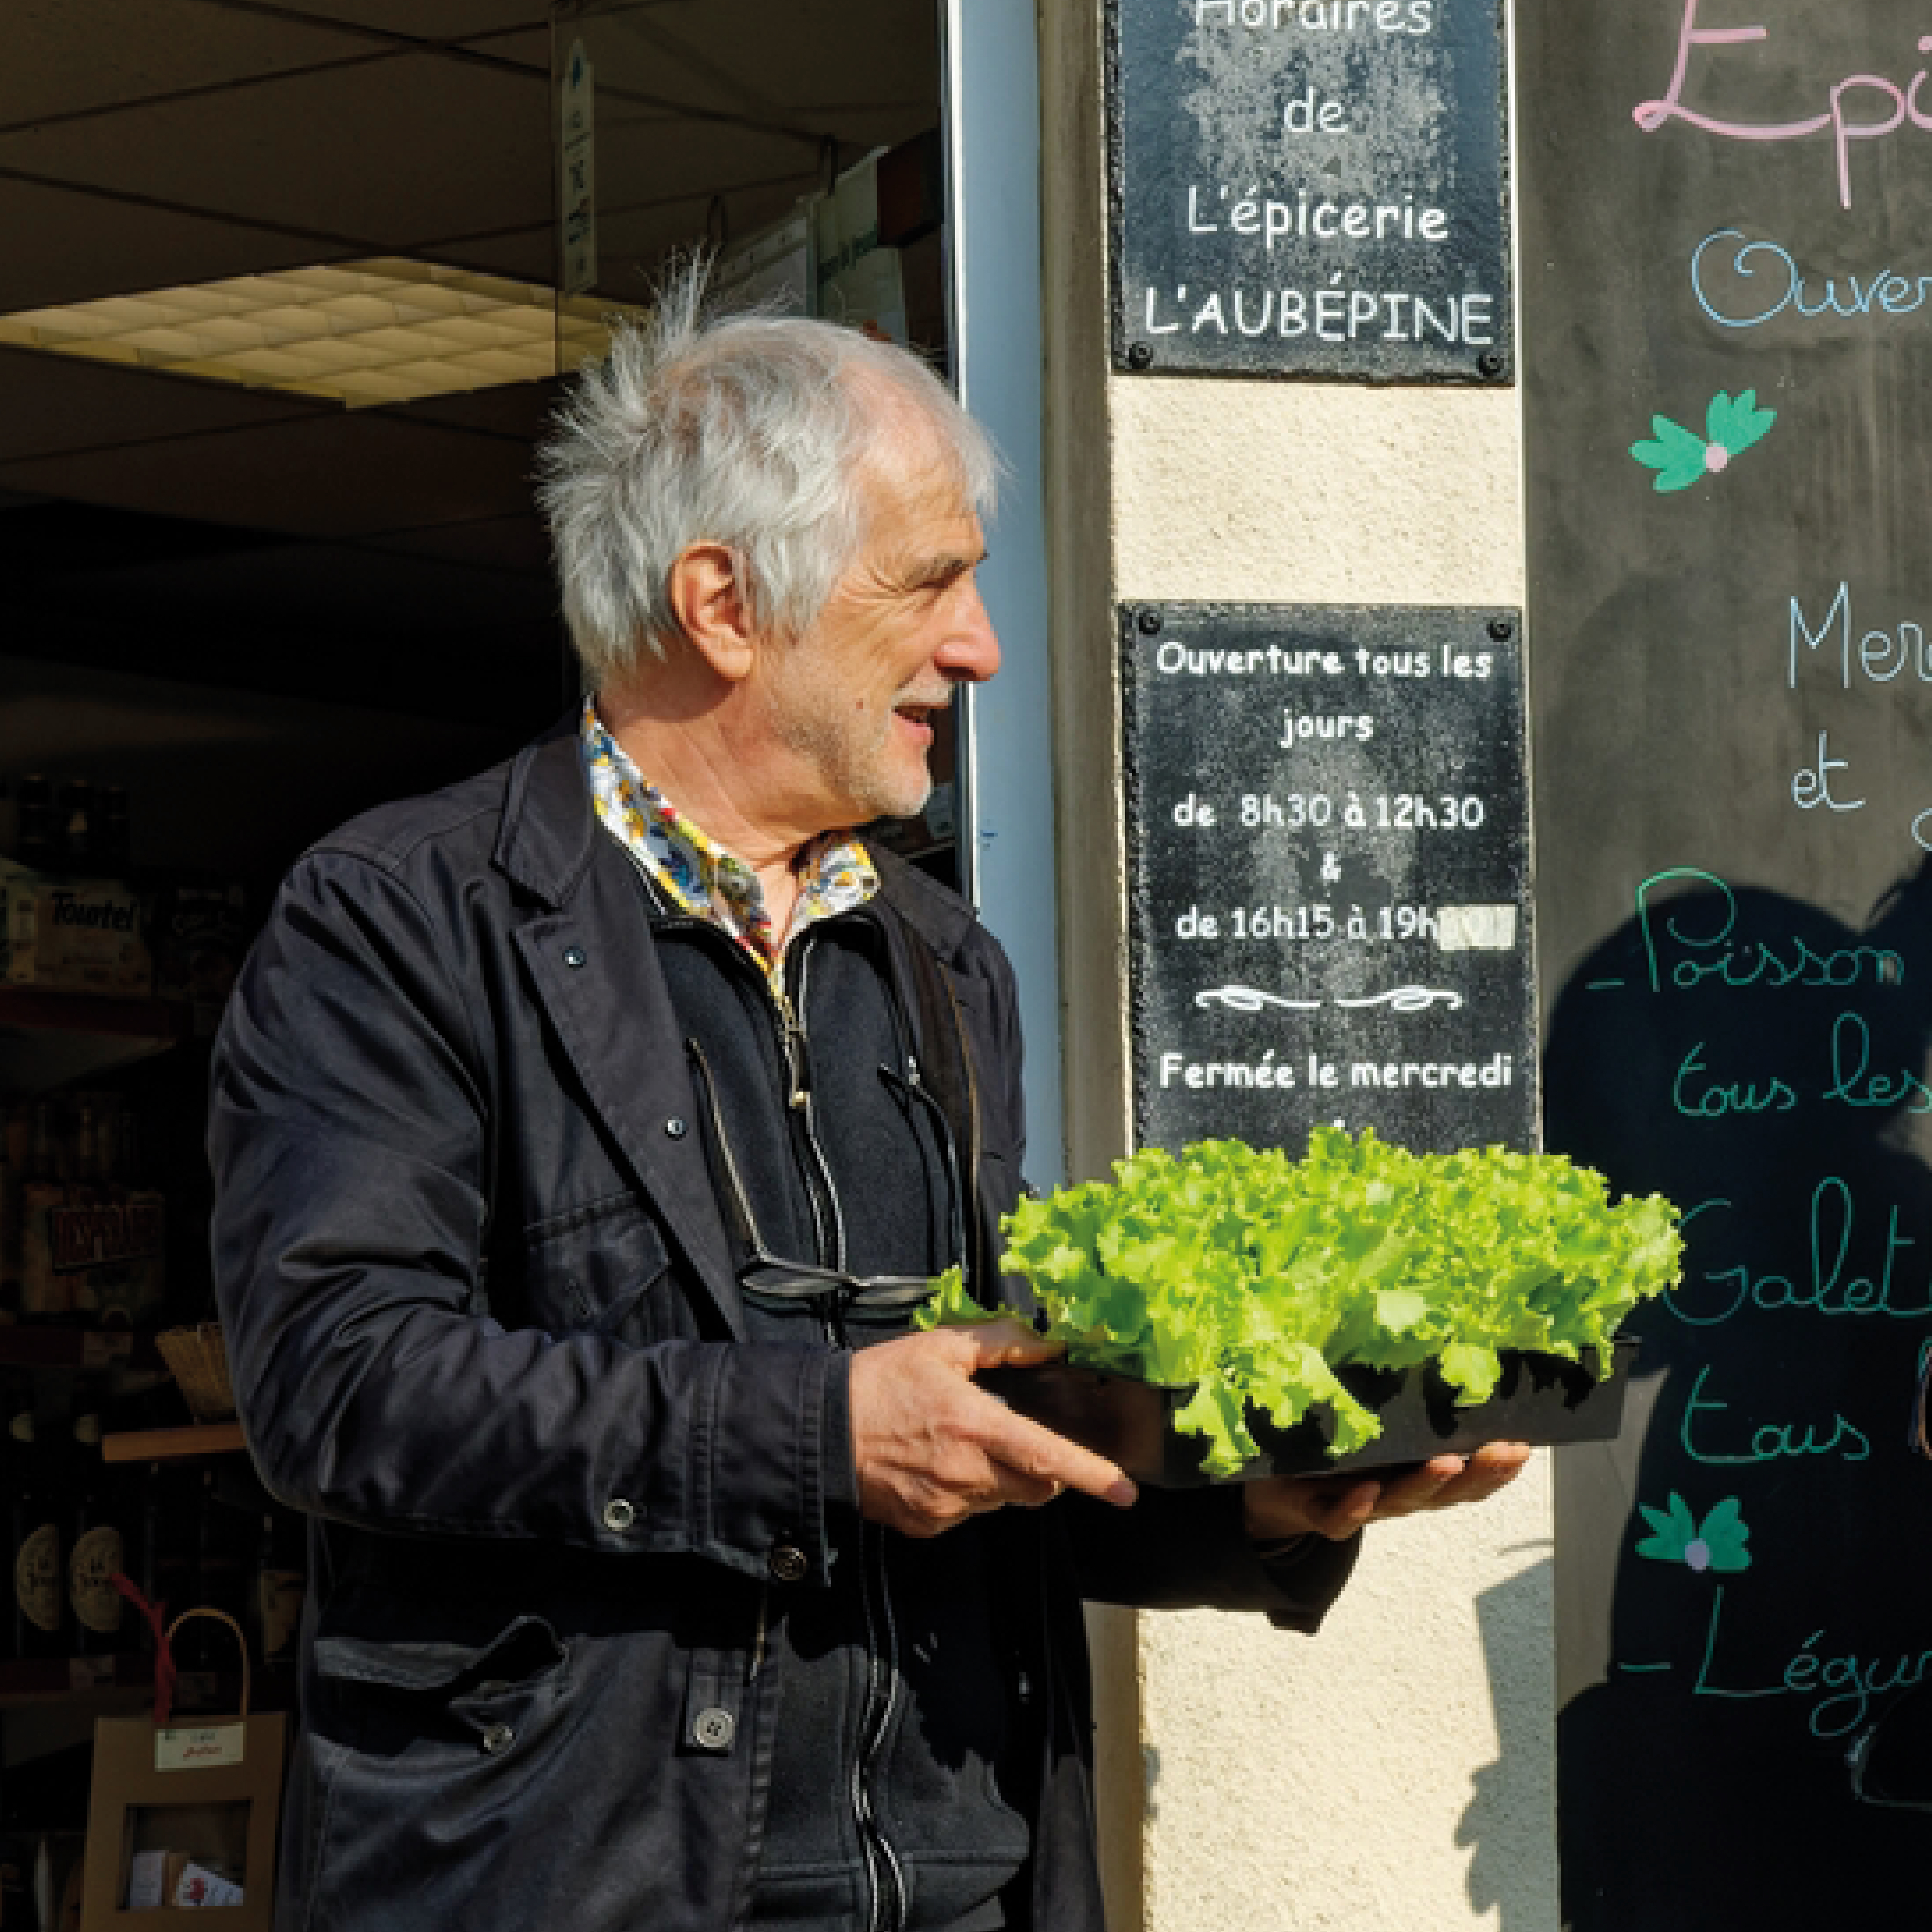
{"x": 810, "y": 55}
{"x": 524, "y": 254}
{"x": 529, "y": 46}
{"x": 321, "y": 586}
{"x": 513, "y": 545}
{"x": 64, "y": 247}
{"x": 521, "y": 409}
{"x": 66, "y": 56}
{"x": 391, "y": 154}
{"x": 343, "y": 475}
{"x": 429, "y": 19}
{"x": 646, "y": 157}
{"x": 52, "y": 404}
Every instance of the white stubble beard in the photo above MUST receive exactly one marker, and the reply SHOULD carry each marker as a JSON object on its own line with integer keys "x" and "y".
{"x": 862, "y": 773}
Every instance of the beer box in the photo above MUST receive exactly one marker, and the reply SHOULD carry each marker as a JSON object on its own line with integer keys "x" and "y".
{"x": 81, "y": 936}
{"x": 104, "y": 1254}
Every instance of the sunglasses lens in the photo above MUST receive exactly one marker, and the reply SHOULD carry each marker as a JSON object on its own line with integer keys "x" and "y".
{"x": 784, "y": 1282}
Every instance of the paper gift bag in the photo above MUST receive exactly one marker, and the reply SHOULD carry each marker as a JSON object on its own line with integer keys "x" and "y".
{"x": 177, "y": 1808}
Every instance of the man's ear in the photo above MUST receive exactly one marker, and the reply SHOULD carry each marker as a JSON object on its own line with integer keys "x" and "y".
{"x": 707, "y": 588}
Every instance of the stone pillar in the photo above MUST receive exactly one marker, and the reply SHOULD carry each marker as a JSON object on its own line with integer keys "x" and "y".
{"x": 1397, "y": 1772}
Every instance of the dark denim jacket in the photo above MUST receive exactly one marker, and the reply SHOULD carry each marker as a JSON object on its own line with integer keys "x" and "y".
{"x": 484, "y": 1326}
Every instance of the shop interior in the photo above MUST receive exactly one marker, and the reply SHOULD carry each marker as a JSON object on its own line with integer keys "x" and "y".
{"x": 286, "y": 294}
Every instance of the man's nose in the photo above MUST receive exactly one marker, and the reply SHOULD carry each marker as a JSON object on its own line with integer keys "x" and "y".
{"x": 970, "y": 652}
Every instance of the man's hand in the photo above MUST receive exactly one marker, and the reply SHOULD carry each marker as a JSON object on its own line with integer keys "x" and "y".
{"x": 932, "y": 1449}
{"x": 1336, "y": 1507}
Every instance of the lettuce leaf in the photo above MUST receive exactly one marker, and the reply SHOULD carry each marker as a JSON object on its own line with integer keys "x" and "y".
{"x": 1248, "y": 1278}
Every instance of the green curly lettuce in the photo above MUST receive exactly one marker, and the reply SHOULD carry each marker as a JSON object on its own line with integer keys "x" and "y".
{"x": 1250, "y": 1278}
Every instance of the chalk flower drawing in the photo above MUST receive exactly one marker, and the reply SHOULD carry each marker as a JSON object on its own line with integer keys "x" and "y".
{"x": 1716, "y": 1544}
{"x": 1680, "y": 457}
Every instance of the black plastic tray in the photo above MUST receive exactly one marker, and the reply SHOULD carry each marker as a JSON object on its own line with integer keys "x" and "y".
{"x": 1541, "y": 1399}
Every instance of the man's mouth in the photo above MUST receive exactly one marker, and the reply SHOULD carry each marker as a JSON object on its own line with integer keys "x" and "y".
{"x": 921, "y": 713}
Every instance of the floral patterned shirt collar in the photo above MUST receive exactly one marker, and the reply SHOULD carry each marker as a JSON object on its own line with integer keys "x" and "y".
{"x": 700, "y": 877}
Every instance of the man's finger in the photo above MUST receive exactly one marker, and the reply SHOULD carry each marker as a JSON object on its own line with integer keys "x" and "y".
{"x": 1025, "y": 1491}
{"x": 1339, "y": 1511}
{"x": 1037, "y": 1454}
{"x": 1420, "y": 1488}
{"x": 1492, "y": 1467}
{"x": 1446, "y": 1481}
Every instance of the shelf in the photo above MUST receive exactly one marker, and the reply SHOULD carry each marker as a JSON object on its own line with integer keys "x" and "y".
{"x": 46, "y": 1680}
{"x": 49, "y": 1038}
{"x": 154, "y": 1445}
{"x": 38, "y": 1680}
{"x": 22, "y": 1347}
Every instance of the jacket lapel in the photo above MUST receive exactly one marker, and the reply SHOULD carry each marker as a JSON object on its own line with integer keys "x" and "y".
{"x": 595, "y": 969}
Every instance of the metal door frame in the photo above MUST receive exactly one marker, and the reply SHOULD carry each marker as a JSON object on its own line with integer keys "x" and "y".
{"x": 990, "y": 63}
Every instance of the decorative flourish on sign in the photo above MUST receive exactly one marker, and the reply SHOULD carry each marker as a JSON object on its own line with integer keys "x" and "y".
{"x": 1407, "y": 1000}
{"x": 1681, "y": 457}
{"x": 1400, "y": 1000}
{"x": 1716, "y": 1544}
{"x": 1252, "y": 999}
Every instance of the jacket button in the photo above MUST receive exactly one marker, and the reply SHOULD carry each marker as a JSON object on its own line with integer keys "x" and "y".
{"x": 618, "y": 1515}
{"x": 788, "y": 1565}
{"x": 713, "y": 1729}
{"x": 574, "y": 955}
{"x": 676, "y": 1128}
{"x": 498, "y": 1737}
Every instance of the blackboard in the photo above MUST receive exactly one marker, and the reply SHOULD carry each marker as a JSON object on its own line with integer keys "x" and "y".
{"x": 1310, "y": 187}
{"x": 1729, "y": 401}
{"x": 1328, "y": 874}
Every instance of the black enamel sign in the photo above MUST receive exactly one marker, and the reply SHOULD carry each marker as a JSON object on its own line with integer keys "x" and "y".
{"x": 1327, "y": 845}
{"x": 1310, "y": 187}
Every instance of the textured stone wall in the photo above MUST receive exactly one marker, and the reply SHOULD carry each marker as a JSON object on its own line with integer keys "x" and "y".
{"x": 1396, "y": 1773}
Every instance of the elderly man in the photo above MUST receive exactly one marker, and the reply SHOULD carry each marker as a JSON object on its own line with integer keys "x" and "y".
{"x": 585, "y": 1135}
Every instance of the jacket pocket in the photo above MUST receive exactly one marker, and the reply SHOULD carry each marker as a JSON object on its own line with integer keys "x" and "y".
{"x": 600, "y": 1269}
{"x": 423, "y": 1750}
{"x": 431, "y": 1690}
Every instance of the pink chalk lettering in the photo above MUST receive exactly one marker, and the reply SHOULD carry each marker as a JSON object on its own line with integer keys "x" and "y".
{"x": 1846, "y": 124}
{"x": 1844, "y": 133}
{"x": 1652, "y": 115}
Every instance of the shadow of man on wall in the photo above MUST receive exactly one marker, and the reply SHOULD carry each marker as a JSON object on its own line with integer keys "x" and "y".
{"x": 1745, "y": 1579}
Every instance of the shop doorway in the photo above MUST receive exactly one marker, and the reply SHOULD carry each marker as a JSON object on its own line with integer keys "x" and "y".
{"x": 287, "y": 292}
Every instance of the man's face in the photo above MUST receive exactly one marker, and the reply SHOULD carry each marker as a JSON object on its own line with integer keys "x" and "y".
{"x": 853, "y": 699}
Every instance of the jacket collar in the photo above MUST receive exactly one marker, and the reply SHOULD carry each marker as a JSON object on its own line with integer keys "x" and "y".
{"x": 587, "y": 949}
{"x": 550, "y": 827}
{"x": 550, "y": 830}
{"x": 941, "y": 918}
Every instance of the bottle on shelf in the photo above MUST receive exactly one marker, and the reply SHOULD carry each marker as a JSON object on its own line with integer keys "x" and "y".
{"x": 74, "y": 853}
{"x": 16, "y": 1137}
{"x": 97, "y": 1548}
{"x": 165, "y": 1551}
{"x": 39, "y": 1622}
{"x": 34, "y": 843}
{"x": 45, "y": 1296}
{"x": 223, "y": 1563}
{"x": 77, "y": 1230}
{"x": 113, "y": 841}
{"x": 281, "y": 1560}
